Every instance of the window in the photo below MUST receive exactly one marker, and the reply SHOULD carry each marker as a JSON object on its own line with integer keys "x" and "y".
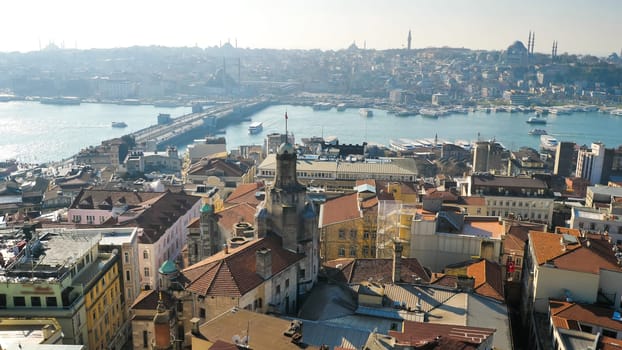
{"x": 585, "y": 328}
{"x": 518, "y": 262}
{"x": 302, "y": 273}
{"x": 365, "y": 250}
{"x": 90, "y": 219}
{"x": 278, "y": 289}
{"x": 3, "y": 301}
{"x": 353, "y": 235}
{"x": 353, "y": 251}
{"x": 342, "y": 251}
{"x": 145, "y": 339}
{"x": 145, "y": 254}
{"x": 342, "y": 233}
{"x": 287, "y": 283}
{"x": 19, "y": 301}
{"x": 366, "y": 234}
{"x": 202, "y": 312}
{"x": 610, "y": 333}
{"x": 146, "y": 272}
{"x": 592, "y": 226}
{"x": 35, "y": 301}
{"x": 128, "y": 275}
{"x": 126, "y": 258}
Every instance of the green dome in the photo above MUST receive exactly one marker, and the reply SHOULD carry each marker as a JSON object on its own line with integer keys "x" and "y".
{"x": 167, "y": 268}
{"x": 206, "y": 208}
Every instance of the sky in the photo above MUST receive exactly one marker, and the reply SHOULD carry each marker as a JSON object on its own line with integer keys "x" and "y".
{"x": 579, "y": 26}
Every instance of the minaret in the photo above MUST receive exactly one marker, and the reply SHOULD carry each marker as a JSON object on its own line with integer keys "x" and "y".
{"x": 410, "y": 38}
{"x": 529, "y": 43}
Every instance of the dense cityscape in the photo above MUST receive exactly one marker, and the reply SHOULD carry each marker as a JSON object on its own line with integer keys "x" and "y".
{"x": 304, "y": 241}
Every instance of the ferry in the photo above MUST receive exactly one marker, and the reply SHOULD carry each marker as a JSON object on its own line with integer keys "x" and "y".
{"x": 119, "y": 125}
{"x": 341, "y": 107}
{"x": 255, "y": 127}
{"x": 537, "y": 132}
{"x": 63, "y": 100}
{"x": 548, "y": 142}
{"x": 536, "y": 120}
{"x": 366, "y": 112}
{"x": 322, "y": 106}
{"x": 429, "y": 113}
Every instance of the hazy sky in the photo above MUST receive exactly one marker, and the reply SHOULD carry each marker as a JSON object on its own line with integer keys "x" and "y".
{"x": 590, "y": 26}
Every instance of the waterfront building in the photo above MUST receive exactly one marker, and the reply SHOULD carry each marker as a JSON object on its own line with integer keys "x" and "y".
{"x": 595, "y": 164}
{"x": 564, "y": 157}
{"x": 163, "y": 218}
{"x": 570, "y": 265}
{"x": 62, "y": 274}
{"x": 516, "y": 98}
{"x": 439, "y": 99}
{"x": 526, "y": 198}
{"x": 102, "y": 156}
{"x": 343, "y": 174}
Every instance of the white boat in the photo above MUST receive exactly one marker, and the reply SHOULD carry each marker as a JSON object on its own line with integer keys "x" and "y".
{"x": 429, "y": 113}
{"x": 537, "y": 132}
{"x": 119, "y": 125}
{"x": 365, "y": 112}
{"x": 536, "y": 120}
{"x": 548, "y": 142}
{"x": 255, "y": 127}
{"x": 341, "y": 107}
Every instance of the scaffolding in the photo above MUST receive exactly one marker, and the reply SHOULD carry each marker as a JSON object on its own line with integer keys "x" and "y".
{"x": 394, "y": 224}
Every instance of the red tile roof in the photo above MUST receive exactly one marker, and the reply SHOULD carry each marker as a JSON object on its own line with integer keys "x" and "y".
{"x": 232, "y": 215}
{"x": 591, "y": 254}
{"x": 245, "y": 193}
{"x": 488, "y": 279}
{"x": 234, "y": 273}
{"x": 566, "y": 312}
{"x": 358, "y": 270}
{"x": 441, "y": 336}
{"x": 340, "y": 209}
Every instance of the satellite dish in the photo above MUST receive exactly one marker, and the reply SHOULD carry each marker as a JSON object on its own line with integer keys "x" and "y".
{"x": 245, "y": 340}
{"x": 236, "y": 339}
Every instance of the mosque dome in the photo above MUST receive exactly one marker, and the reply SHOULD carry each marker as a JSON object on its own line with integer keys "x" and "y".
{"x": 518, "y": 48}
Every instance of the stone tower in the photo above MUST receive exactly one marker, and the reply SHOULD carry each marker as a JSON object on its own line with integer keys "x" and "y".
{"x": 288, "y": 213}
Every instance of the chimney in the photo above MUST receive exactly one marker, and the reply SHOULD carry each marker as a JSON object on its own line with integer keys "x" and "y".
{"x": 226, "y": 248}
{"x": 194, "y": 322}
{"x": 263, "y": 264}
{"x": 397, "y": 262}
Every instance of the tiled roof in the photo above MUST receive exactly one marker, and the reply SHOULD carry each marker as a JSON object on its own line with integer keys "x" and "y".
{"x": 379, "y": 270}
{"x": 264, "y": 331}
{"x": 441, "y": 336}
{"x": 445, "y": 196}
{"x": 567, "y": 312}
{"x": 508, "y": 181}
{"x": 160, "y": 214}
{"x": 148, "y": 300}
{"x": 488, "y": 279}
{"x": 212, "y": 165}
{"x": 92, "y": 199}
{"x": 340, "y": 209}
{"x": 581, "y": 256}
{"x": 473, "y": 200}
{"x": 245, "y": 193}
{"x": 234, "y": 273}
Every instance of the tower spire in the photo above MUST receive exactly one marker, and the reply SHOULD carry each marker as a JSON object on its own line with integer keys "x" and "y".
{"x": 410, "y": 38}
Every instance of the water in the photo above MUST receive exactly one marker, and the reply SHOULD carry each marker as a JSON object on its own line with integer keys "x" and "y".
{"x": 349, "y": 126}
{"x": 34, "y": 132}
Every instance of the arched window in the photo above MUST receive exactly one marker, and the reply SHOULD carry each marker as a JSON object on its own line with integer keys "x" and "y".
{"x": 145, "y": 254}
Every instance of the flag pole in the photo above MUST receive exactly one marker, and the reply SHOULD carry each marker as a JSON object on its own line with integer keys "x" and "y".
{"x": 286, "y": 138}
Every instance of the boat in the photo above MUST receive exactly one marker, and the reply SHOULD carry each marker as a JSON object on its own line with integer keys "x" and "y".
{"x": 537, "y": 132}
{"x": 255, "y": 127}
{"x": 63, "y": 100}
{"x": 322, "y": 106}
{"x": 548, "y": 142}
{"x": 119, "y": 125}
{"x": 341, "y": 107}
{"x": 429, "y": 113}
{"x": 365, "y": 112}
{"x": 536, "y": 120}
